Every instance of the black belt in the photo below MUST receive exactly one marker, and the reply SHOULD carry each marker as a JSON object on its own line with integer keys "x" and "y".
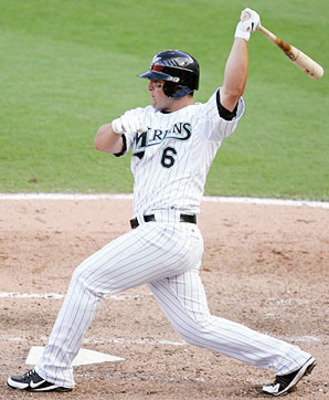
{"x": 191, "y": 218}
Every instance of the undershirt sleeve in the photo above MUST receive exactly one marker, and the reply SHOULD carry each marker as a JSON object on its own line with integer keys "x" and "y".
{"x": 124, "y": 149}
{"x": 223, "y": 112}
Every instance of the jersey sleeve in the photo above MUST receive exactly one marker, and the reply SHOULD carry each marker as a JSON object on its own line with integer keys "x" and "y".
{"x": 216, "y": 127}
{"x": 128, "y": 139}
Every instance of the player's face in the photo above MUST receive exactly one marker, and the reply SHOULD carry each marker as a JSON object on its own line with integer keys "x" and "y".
{"x": 159, "y": 100}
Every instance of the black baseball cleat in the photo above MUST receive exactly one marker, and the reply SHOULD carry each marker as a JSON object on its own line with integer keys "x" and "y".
{"x": 287, "y": 383}
{"x": 32, "y": 382}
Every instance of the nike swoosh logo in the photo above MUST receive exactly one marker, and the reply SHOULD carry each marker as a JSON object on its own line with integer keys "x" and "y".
{"x": 276, "y": 388}
{"x": 37, "y": 384}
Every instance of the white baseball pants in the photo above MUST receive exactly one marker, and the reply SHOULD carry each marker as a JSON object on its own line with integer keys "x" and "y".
{"x": 167, "y": 257}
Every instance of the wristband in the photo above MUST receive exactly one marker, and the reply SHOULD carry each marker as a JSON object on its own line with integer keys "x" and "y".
{"x": 117, "y": 126}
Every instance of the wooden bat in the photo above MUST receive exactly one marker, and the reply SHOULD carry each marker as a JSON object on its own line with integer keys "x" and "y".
{"x": 304, "y": 62}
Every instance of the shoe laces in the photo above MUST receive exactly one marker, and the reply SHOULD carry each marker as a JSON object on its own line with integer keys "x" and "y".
{"x": 29, "y": 373}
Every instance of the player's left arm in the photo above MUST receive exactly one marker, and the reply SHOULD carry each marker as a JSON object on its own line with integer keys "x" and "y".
{"x": 235, "y": 76}
{"x": 117, "y": 136}
{"x": 108, "y": 141}
{"x": 237, "y": 64}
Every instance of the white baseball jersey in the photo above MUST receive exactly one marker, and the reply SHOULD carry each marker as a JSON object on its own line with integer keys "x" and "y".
{"x": 170, "y": 162}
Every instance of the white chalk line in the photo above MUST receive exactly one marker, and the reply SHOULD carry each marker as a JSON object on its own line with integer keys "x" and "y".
{"x": 129, "y": 196}
{"x": 57, "y": 296}
{"x": 97, "y": 340}
{"x": 123, "y": 297}
{"x": 152, "y": 342}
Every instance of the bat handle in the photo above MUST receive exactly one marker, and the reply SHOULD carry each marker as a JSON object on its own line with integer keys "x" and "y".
{"x": 267, "y": 33}
{"x": 285, "y": 47}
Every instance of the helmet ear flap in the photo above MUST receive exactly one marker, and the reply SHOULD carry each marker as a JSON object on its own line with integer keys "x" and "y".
{"x": 175, "y": 91}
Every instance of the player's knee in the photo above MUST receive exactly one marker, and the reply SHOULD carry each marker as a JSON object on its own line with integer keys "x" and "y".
{"x": 195, "y": 333}
{"x": 81, "y": 278}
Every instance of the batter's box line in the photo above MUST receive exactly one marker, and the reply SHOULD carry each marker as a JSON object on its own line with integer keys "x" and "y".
{"x": 146, "y": 341}
{"x": 98, "y": 340}
{"x": 57, "y": 296}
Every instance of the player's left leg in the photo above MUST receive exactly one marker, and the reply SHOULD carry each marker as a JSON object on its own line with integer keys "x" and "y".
{"x": 148, "y": 253}
{"x": 183, "y": 300}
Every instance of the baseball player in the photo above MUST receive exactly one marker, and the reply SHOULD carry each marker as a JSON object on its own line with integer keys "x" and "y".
{"x": 173, "y": 143}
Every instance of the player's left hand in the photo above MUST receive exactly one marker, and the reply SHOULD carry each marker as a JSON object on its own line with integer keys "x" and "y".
{"x": 250, "y": 22}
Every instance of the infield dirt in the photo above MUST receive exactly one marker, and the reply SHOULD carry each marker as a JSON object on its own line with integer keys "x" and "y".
{"x": 264, "y": 266}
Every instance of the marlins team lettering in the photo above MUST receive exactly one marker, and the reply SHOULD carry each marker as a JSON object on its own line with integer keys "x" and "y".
{"x": 179, "y": 131}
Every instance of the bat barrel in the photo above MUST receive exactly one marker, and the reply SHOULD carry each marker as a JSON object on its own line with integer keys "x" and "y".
{"x": 303, "y": 61}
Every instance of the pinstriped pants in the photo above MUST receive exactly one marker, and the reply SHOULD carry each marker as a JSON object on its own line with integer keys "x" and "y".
{"x": 167, "y": 257}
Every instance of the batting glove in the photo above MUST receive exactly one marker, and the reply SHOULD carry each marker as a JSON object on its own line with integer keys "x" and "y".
{"x": 128, "y": 125}
{"x": 250, "y": 22}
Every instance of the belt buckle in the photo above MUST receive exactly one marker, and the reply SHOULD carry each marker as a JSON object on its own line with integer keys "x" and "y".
{"x": 149, "y": 218}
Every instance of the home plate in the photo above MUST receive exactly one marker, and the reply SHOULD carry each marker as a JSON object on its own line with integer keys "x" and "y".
{"x": 84, "y": 357}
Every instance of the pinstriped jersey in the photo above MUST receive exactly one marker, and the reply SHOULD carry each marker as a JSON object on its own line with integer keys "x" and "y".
{"x": 171, "y": 159}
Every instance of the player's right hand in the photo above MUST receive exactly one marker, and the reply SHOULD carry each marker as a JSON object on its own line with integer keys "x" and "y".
{"x": 250, "y": 22}
{"x": 128, "y": 125}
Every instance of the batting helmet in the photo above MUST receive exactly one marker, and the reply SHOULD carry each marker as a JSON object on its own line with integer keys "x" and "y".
{"x": 179, "y": 70}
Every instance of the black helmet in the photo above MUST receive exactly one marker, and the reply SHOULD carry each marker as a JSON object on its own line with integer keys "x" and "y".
{"x": 179, "y": 70}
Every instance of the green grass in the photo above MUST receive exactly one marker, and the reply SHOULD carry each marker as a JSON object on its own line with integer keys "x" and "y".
{"x": 69, "y": 66}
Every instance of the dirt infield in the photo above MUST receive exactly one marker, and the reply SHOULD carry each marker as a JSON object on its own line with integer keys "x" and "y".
{"x": 264, "y": 266}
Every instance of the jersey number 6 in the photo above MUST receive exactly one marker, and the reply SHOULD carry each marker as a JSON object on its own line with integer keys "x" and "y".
{"x": 167, "y": 159}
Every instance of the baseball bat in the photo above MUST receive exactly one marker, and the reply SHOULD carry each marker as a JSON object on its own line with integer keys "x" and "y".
{"x": 304, "y": 62}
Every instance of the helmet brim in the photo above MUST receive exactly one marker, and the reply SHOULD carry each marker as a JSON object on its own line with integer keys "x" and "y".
{"x": 158, "y": 76}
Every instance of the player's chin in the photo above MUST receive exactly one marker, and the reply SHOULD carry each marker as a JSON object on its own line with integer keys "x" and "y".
{"x": 154, "y": 104}
{"x": 157, "y": 106}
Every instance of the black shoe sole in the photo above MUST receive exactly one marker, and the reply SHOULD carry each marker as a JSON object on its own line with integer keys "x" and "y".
{"x": 28, "y": 389}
